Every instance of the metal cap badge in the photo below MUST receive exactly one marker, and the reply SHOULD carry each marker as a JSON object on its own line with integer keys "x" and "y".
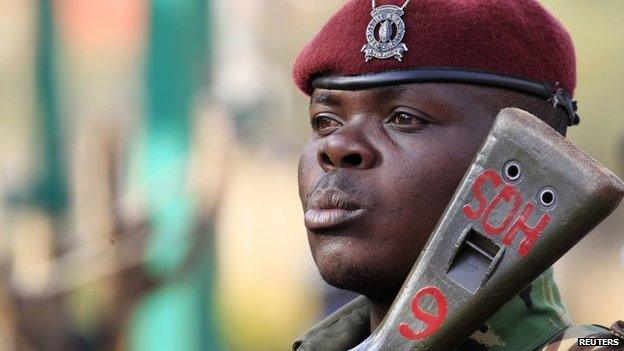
{"x": 390, "y": 30}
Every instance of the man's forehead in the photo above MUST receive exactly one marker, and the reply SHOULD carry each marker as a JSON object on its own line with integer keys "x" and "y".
{"x": 431, "y": 91}
{"x": 333, "y": 96}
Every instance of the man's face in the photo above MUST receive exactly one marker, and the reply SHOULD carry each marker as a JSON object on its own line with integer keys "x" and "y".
{"x": 377, "y": 173}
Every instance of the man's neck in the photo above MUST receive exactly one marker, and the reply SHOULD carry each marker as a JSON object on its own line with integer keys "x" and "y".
{"x": 378, "y": 310}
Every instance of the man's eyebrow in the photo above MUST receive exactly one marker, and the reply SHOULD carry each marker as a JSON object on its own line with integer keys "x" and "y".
{"x": 324, "y": 98}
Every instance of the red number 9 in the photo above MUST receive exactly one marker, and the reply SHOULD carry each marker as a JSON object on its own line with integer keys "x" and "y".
{"x": 433, "y": 321}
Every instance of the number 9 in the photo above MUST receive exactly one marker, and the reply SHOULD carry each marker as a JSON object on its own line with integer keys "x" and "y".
{"x": 433, "y": 321}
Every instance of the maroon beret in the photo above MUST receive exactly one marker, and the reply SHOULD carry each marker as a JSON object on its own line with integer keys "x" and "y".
{"x": 472, "y": 41}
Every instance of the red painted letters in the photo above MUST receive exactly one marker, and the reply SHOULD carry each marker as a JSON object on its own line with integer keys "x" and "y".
{"x": 530, "y": 234}
{"x": 486, "y": 175}
{"x": 508, "y": 193}
{"x": 433, "y": 321}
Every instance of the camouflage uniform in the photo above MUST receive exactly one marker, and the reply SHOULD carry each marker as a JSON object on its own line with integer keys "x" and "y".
{"x": 534, "y": 320}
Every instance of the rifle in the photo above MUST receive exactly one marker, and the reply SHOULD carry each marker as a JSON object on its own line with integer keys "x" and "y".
{"x": 528, "y": 197}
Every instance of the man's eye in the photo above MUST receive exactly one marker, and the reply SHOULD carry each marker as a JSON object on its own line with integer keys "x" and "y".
{"x": 324, "y": 124}
{"x": 406, "y": 120}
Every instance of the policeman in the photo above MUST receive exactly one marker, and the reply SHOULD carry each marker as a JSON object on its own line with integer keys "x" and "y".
{"x": 402, "y": 93}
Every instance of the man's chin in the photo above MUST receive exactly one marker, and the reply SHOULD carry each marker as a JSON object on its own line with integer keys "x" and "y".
{"x": 350, "y": 263}
{"x": 362, "y": 280}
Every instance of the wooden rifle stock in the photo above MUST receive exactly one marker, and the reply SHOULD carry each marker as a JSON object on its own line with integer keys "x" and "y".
{"x": 528, "y": 197}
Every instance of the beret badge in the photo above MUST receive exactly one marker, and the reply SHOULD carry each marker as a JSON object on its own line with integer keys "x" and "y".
{"x": 384, "y": 34}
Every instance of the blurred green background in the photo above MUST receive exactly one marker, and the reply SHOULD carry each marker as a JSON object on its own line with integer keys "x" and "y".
{"x": 148, "y": 155}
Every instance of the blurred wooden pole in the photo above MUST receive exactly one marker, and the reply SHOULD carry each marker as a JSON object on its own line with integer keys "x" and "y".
{"x": 179, "y": 313}
{"x": 41, "y": 322}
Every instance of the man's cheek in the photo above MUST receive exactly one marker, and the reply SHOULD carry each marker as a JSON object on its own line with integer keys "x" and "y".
{"x": 306, "y": 175}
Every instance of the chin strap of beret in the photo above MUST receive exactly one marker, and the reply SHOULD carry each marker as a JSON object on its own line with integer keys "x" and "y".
{"x": 558, "y": 96}
{"x": 562, "y": 99}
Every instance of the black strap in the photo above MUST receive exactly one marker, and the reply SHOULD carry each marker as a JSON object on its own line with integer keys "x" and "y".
{"x": 559, "y": 97}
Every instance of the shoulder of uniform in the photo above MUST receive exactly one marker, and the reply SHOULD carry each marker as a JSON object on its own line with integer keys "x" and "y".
{"x": 567, "y": 339}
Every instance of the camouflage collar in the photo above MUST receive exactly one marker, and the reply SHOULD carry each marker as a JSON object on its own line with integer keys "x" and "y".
{"x": 524, "y": 323}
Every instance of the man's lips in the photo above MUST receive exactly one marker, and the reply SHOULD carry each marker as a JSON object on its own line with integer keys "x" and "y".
{"x": 330, "y": 208}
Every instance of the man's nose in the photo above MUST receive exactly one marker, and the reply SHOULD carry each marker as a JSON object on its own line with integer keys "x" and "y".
{"x": 344, "y": 149}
